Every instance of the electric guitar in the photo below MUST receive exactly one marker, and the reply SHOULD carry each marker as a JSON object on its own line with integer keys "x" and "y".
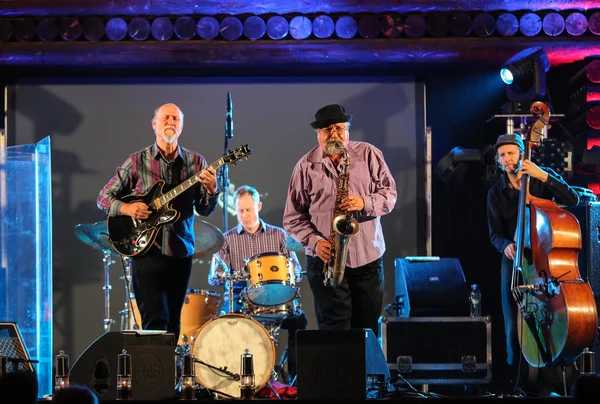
{"x": 133, "y": 237}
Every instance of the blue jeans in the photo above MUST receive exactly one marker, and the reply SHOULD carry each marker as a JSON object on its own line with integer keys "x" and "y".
{"x": 509, "y": 312}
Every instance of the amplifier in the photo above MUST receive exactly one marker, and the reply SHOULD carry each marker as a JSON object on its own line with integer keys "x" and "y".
{"x": 438, "y": 350}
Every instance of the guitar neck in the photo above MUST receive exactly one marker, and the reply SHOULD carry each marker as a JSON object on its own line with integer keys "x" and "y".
{"x": 185, "y": 185}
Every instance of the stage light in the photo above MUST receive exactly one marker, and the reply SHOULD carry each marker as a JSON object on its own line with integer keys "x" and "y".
{"x": 525, "y": 75}
{"x": 506, "y": 75}
{"x": 455, "y": 163}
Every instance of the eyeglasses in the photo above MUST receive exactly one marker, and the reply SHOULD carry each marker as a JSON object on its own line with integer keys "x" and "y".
{"x": 334, "y": 128}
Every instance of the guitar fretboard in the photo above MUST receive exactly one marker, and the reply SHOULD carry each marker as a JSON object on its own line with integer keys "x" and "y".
{"x": 184, "y": 186}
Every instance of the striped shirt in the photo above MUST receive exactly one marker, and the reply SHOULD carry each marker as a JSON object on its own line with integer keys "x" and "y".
{"x": 241, "y": 246}
{"x": 308, "y": 214}
{"x": 137, "y": 175}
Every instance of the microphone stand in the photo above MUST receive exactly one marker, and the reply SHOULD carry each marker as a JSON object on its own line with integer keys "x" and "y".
{"x": 224, "y": 183}
{"x": 224, "y": 170}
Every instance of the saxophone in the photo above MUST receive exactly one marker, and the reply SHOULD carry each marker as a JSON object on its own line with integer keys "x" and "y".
{"x": 343, "y": 226}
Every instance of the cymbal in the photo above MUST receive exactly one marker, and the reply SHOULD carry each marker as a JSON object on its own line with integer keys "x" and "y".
{"x": 292, "y": 245}
{"x": 209, "y": 239}
{"x": 96, "y": 236}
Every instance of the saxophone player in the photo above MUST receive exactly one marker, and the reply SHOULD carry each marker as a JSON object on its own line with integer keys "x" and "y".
{"x": 339, "y": 175}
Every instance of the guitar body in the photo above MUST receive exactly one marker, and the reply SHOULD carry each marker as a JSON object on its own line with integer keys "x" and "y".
{"x": 133, "y": 237}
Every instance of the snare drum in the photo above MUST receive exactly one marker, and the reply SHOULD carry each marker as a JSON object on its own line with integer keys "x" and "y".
{"x": 271, "y": 279}
{"x": 270, "y": 313}
{"x": 199, "y": 307}
{"x": 221, "y": 342}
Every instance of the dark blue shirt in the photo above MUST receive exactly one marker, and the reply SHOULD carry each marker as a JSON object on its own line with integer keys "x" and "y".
{"x": 503, "y": 204}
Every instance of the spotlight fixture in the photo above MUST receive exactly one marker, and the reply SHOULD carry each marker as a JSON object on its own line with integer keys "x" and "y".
{"x": 525, "y": 75}
{"x": 454, "y": 163}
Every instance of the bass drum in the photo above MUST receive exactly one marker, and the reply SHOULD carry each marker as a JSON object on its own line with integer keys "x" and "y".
{"x": 221, "y": 342}
{"x": 200, "y": 306}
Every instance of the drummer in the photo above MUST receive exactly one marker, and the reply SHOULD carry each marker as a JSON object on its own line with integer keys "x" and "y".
{"x": 252, "y": 237}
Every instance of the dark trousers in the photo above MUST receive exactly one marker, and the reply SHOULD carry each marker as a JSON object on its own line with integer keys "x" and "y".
{"x": 516, "y": 365}
{"x": 160, "y": 285}
{"x": 355, "y": 303}
{"x": 293, "y": 324}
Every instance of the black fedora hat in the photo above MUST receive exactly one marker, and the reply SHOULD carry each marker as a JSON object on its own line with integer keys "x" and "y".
{"x": 330, "y": 114}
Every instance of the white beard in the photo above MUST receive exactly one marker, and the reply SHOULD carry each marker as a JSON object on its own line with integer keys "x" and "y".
{"x": 169, "y": 139}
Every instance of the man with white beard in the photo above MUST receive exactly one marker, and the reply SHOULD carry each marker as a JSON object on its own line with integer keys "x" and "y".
{"x": 161, "y": 275}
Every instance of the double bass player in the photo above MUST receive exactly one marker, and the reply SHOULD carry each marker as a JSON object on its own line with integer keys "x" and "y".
{"x": 502, "y": 212}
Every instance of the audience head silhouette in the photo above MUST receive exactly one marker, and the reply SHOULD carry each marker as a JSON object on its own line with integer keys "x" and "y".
{"x": 19, "y": 387}
{"x": 74, "y": 394}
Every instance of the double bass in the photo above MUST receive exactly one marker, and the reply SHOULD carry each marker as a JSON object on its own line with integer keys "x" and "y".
{"x": 557, "y": 316}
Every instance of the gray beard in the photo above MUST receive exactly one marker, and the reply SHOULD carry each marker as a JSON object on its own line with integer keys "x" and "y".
{"x": 168, "y": 139}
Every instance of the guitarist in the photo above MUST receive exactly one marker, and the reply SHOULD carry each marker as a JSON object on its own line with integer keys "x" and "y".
{"x": 161, "y": 275}
{"x": 502, "y": 212}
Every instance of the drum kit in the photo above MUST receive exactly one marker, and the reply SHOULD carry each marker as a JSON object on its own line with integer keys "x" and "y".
{"x": 270, "y": 295}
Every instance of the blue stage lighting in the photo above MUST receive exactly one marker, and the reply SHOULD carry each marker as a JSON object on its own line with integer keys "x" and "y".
{"x": 525, "y": 75}
{"x": 506, "y": 75}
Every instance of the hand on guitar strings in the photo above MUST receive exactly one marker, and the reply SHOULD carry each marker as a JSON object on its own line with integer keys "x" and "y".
{"x": 208, "y": 178}
{"x": 137, "y": 210}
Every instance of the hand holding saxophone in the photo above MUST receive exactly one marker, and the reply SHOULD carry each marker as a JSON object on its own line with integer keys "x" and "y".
{"x": 352, "y": 203}
{"x": 323, "y": 249}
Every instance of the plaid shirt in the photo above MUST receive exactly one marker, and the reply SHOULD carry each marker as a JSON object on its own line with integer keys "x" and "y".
{"x": 139, "y": 173}
{"x": 241, "y": 246}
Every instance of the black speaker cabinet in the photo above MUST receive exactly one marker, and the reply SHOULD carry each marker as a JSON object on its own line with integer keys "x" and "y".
{"x": 438, "y": 350}
{"x": 588, "y": 216}
{"x": 152, "y": 361}
{"x": 430, "y": 286}
{"x": 338, "y": 364}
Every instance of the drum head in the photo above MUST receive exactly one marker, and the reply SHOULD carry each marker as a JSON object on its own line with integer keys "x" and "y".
{"x": 221, "y": 342}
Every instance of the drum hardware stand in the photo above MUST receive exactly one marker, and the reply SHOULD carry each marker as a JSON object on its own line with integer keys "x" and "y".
{"x": 273, "y": 390}
{"x": 128, "y": 320}
{"x": 230, "y": 279}
{"x": 108, "y": 322}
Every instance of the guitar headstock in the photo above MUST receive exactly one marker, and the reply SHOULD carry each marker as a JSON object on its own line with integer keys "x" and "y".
{"x": 233, "y": 156}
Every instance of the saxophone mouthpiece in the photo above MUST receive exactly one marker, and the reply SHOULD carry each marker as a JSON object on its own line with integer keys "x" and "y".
{"x": 334, "y": 146}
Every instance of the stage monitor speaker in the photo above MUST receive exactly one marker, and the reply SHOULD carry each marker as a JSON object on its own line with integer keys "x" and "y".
{"x": 12, "y": 346}
{"x": 588, "y": 216}
{"x": 430, "y": 286}
{"x": 152, "y": 360}
{"x": 338, "y": 364}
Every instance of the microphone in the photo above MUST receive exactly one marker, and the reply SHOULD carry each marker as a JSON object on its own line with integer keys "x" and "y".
{"x": 229, "y": 117}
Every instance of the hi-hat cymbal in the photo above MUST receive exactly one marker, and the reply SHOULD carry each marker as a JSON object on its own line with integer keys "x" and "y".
{"x": 209, "y": 239}
{"x": 96, "y": 236}
{"x": 292, "y": 245}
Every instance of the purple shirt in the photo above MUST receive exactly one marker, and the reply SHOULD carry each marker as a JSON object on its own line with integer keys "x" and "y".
{"x": 137, "y": 175}
{"x": 308, "y": 214}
